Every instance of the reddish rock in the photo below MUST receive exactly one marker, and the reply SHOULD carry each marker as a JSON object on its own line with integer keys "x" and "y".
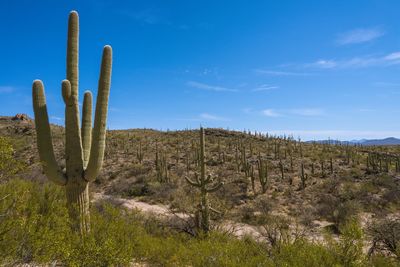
{"x": 21, "y": 117}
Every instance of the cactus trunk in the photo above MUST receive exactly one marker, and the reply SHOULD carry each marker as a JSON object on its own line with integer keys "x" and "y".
{"x": 78, "y": 206}
{"x": 205, "y": 211}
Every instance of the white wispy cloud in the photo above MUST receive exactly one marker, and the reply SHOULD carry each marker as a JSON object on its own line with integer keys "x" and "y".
{"x": 6, "y": 89}
{"x": 305, "y": 112}
{"x": 281, "y": 73}
{"x": 265, "y": 87}
{"x": 271, "y": 113}
{"x": 357, "y": 36}
{"x": 211, "y": 117}
{"x": 325, "y": 64}
{"x": 209, "y": 87}
{"x": 203, "y": 117}
{"x": 356, "y": 62}
{"x": 393, "y": 56}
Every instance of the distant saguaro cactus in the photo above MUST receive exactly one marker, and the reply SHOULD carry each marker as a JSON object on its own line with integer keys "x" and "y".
{"x": 84, "y": 146}
{"x": 303, "y": 177}
{"x": 206, "y": 185}
{"x": 262, "y": 173}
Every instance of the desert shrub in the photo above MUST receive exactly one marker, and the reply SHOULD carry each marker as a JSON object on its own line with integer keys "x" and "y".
{"x": 264, "y": 204}
{"x": 302, "y": 253}
{"x": 383, "y": 180}
{"x": 305, "y": 216}
{"x": 330, "y": 186}
{"x": 337, "y": 211}
{"x": 356, "y": 172}
{"x": 220, "y": 250}
{"x": 8, "y": 164}
{"x": 137, "y": 190}
{"x": 348, "y": 191}
{"x": 37, "y": 229}
{"x": 277, "y": 231}
{"x": 368, "y": 188}
{"x": 34, "y": 228}
{"x": 139, "y": 169}
{"x": 348, "y": 250}
{"x": 29, "y": 215}
{"x": 246, "y": 214}
{"x": 343, "y": 213}
{"x": 338, "y": 203}
{"x": 385, "y": 234}
{"x": 390, "y": 191}
{"x": 391, "y": 197}
{"x": 182, "y": 201}
{"x": 160, "y": 192}
{"x": 382, "y": 261}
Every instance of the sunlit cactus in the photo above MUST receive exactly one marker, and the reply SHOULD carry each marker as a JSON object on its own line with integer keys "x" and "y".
{"x": 84, "y": 146}
{"x": 206, "y": 184}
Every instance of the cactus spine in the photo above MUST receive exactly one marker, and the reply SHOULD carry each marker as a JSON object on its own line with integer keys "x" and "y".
{"x": 84, "y": 146}
{"x": 206, "y": 185}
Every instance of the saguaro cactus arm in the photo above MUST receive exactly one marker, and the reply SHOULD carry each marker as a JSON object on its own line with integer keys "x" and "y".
{"x": 44, "y": 139}
{"x": 73, "y": 144}
{"x": 86, "y": 126}
{"x": 99, "y": 130}
{"x": 73, "y": 52}
{"x": 191, "y": 182}
{"x": 215, "y": 187}
{"x": 66, "y": 93}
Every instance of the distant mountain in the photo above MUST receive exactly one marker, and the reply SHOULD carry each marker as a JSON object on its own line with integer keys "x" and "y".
{"x": 390, "y": 141}
{"x": 358, "y": 141}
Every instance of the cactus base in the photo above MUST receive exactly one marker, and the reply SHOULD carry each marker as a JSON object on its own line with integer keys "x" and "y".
{"x": 78, "y": 206}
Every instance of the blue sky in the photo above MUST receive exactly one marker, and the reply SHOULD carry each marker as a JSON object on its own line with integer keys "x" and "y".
{"x": 314, "y": 69}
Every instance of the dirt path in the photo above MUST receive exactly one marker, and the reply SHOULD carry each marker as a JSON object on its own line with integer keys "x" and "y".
{"x": 134, "y": 204}
{"x": 238, "y": 229}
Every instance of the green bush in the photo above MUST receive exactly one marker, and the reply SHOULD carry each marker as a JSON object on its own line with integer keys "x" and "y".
{"x": 303, "y": 253}
{"x": 348, "y": 250}
{"x": 34, "y": 228}
{"x": 8, "y": 164}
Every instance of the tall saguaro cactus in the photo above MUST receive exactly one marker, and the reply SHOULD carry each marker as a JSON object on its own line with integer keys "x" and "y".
{"x": 84, "y": 146}
{"x": 206, "y": 185}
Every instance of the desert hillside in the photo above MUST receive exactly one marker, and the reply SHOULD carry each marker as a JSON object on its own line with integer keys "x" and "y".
{"x": 309, "y": 190}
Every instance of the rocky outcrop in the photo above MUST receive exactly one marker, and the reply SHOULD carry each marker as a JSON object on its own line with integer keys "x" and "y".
{"x": 21, "y": 117}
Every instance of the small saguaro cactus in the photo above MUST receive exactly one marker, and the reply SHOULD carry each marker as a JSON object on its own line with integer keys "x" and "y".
{"x": 303, "y": 177}
{"x": 139, "y": 153}
{"x": 206, "y": 185}
{"x": 84, "y": 146}
{"x": 262, "y": 173}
